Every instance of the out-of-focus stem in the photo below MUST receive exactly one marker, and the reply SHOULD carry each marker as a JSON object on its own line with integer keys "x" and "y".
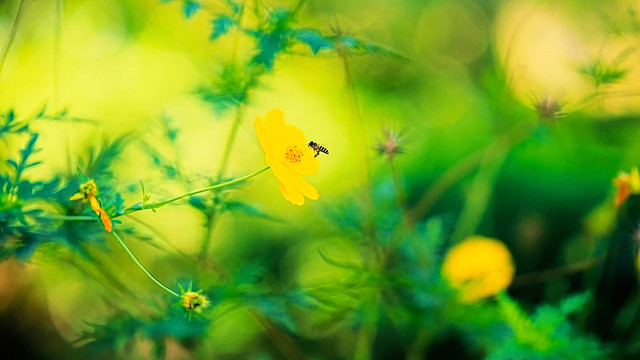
{"x": 546, "y": 275}
{"x": 368, "y": 329}
{"x": 230, "y": 142}
{"x": 368, "y": 196}
{"x": 12, "y": 35}
{"x": 284, "y": 343}
{"x": 466, "y": 165}
{"x": 416, "y": 350}
{"x": 401, "y": 196}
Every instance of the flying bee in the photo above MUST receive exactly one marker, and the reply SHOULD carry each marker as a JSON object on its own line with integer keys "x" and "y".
{"x": 318, "y": 148}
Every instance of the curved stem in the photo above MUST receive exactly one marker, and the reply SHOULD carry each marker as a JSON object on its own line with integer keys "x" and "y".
{"x": 144, "y": 269}
{"x": 12, "y": 35}
{"x": 140, "y": 207}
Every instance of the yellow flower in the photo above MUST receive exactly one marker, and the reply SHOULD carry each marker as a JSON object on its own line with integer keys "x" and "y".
{"x": 478, "y": 267}
{"x": 627, "y": 185}
{"x": 193, "y": 301}
{"x": 288, "y": 156}
{"x": 88, "y": 192}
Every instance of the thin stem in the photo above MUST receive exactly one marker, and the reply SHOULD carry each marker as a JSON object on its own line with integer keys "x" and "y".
{"x": 397, "y": 182}
{"x": 140, "y": 207}
{"x": 144, "y": 269}
{"x": 297, "y": 8}
{"x": 206, "y": 240}
{"x": 56, "y": 53}
{"x": 283, "y": 342}
{"x": 546, "y": 275}
{"x": 368, "y": 329}
{"x": 57, "y": 33}
{"x": 12, "y": 35}
{"x": 230, "y": 141}
{"x": 351, "y": 89}
{"x": 466, "y": 165}
{"x": 70, "y": 217}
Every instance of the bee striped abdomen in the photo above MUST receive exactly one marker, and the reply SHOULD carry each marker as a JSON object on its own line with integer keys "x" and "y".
{"x": 318, "y": 148}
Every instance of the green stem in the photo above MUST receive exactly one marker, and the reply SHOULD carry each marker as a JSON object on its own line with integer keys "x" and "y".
{"x": 70, "y": 217}
{"x": 144, "y": 269}
{"x": 401, "y": 196}
{"x": 351, "y": 89}
{"x": 464, "y": 166}
{"x": 230, "y": 141}
{"x": 12, "y": 35}
{"x": 140, "y": 207}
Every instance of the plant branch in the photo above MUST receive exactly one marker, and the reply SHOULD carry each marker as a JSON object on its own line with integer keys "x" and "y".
{"x": 139, "y": 206}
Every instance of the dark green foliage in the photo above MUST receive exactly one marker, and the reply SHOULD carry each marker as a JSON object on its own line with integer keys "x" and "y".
{"x": 97, "y": 163}
{"x": 190, "y": 7}
{"x": 11, "y": 125}
{"x": 23, "y": 227}
{"x": 276, "y": 309}
{"x": 118, "y": 332}
{"x": 314, "y": 39}
{"x": 23, "y": 162}
{"x": 231, "y": 88}
{"x": 247, "y": 209}
{"x": 603, "y": 74}
{"x": 547, "y": 334}
{"x": 18, "y": 235}
{"x": 221, "y": 26}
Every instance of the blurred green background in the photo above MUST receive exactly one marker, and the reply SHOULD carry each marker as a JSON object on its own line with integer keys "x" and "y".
{"x": 512, "y": 119}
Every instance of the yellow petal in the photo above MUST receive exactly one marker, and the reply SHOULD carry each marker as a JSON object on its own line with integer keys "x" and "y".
{"x": 106, "y": 221}
{"x": 302, "y": 185}
{"x": 292, "y": 194}
{"x": 289, "y": 186}
{"x": 77, "y": 196}
{"x": 293, "y": 136}
{"x": 275, "y": 130}
{"x": 262, "y": 134}
{"x": 280, "y": 172}
{"x": 95, "y": 204}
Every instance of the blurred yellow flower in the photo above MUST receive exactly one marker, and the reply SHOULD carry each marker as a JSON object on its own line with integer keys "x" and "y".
{"x": 627, "y": 185}
{"x": 478, "y": 267}
{"x": 193, "y": 301}
{"x": 288, "y": 155}
{"x": 88, "y": 192}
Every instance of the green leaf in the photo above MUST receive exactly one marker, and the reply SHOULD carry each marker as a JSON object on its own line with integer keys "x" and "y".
{"x": 269, "y": 45}
{"x": 575, "y": 303}
{"x": 248, "y": 209}
{"x": 190, "y": 7}
{"x": 337, "y": 263}
{"x": 314, "y": 39}
{"x": 221, "y": 26}
{"x": 199, "y": 203}
{"x": 276, "y": 310}
{"x": 235, "y": 7}
{"x": 13, "y": 164}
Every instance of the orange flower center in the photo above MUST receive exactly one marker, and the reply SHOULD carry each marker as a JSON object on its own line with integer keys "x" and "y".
{"x": 293, "y": 154}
